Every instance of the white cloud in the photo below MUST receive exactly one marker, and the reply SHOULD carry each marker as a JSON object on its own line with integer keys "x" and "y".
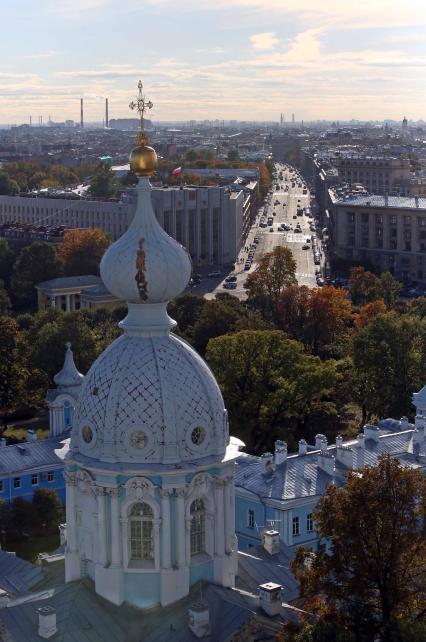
{"x": 264, "y": 40}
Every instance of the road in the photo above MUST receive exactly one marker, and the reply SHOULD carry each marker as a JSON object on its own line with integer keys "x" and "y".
{"x": 284, "y": 202}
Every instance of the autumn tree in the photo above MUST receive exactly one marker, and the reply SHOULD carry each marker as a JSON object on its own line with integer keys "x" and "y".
{"x": 36, "y": 263}
{"x": 369, "y": 312}
{"x": 364, "y": 286}
{"x": 82, "y": 250}
{"x": 370, "y": 583}
{"x": 274, "y": 272}
{"x": 269, "y": 383}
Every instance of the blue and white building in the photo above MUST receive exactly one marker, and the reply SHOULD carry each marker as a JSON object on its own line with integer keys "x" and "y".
{"x": 280, "y": 491}
{"x": 34, "y": 464}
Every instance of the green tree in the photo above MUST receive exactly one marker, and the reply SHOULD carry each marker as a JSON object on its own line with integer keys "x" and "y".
{"x": 6, "y": 261}
{"x": 103, "y": 183}
{"x": 82, "y": 250}
{"x": 389, "y": 289}
{"x": 191, "y": 155}
{"x": 185, "y": 310}
{"x": 36, "y": 263}
{"x": 269, "y": 383}
{"x": 371, "y": 580}
{"x": 389, "y": 364}
{"x": 215, "y": 319}
{"x": 8, "y": 187}
{"x": 5, "y": 305}
{"x": 233, "y": 155}
{"x": 275, "y": 271}
{"x": 47, "y": 508}
{"x": 49, "y": 336}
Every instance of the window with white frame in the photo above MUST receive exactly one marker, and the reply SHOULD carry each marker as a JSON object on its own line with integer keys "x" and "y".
{"x": 309, "y": 522}
{"x": 141, "y": 532}
{"x": 198, "y": 527}
{"x": 34, "y": 479}
{"x": 51, "y": 476}
{"x": 296, "y": 526}
{"x": 17, "y": 482}
{"x": 250, "y": 519}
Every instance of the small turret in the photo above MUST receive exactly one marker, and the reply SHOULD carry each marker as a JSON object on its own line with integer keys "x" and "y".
{"x": 63, "y": 399}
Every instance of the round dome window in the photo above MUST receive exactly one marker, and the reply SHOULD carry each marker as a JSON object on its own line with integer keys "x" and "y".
{"x": 87, "y": 434}
{"x": 138, "y": 439}
{"x": 198, "y": 435}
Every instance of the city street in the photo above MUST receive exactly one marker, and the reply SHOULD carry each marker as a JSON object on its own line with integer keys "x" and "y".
{"x": 282, "y": 207}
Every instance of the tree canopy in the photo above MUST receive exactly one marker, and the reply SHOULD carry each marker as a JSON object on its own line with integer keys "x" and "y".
{"x": 103, "y": 182}
{"x": 274, "y": 272}
{"x": 36, "y": 263}
{"x": 370, "y": 583}
{"x": 82, "y": 250}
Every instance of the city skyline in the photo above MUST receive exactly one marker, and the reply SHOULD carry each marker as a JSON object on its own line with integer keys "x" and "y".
{"x": 242, "y": 59}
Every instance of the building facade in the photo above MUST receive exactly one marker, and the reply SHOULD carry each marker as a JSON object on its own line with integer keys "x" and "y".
{"x": 378, "y": 174}
{"x": 390, "y": 232}
{"x": 208, "y": 221}
{"x": 71, "y": 293}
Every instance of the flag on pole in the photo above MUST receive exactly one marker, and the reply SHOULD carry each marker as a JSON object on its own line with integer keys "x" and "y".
{"x": 177, "y": 171}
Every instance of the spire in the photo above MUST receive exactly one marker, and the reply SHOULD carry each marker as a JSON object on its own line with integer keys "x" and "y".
{"x": 145, "y": 267}
{"x": 69, "y": 376}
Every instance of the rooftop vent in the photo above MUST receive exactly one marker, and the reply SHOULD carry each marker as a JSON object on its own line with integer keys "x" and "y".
{"x": 303, "y": 447}
{"x": 271, "y": 542}
{"x": 270, "y": 598}
{"x": 318, "y": 441}
{"x": 46, "y": 622}
{"x": 31, "y": 435}
{"x": 361, "y": 440}
{"x": 371, "y": 432}
{"x": 280, "y": 452}
{"x": 199, "y": 619}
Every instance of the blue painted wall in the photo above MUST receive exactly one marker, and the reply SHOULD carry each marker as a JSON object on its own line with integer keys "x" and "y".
{"x": 27, "y": 489}
{"x": 142, "y": 590}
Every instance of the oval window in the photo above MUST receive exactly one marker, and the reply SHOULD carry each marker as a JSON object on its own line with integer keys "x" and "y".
{"x": 138, "y": 439}
{"x": 198, "y": 435}
{"x": 87, "y": 434}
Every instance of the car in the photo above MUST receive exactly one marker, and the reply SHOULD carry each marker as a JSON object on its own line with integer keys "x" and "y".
{"x": 294, "y": 216}
{"x": 320, "y": 281}
{"x": 247, "y": 266}
{"x": 317, "y": 260}
{"x": 231, "y": 278}
{"x": 229, "y": 286}
{"x": 297, "y": 230}
{"x": 213, "y": 275}
{"x": 271, "y": 229}
{"x": 305, "y": 246}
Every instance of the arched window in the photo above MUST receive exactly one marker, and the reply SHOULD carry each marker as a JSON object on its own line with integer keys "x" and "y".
{"x": 198, "y": 527}
{"x": 141, "y": 532}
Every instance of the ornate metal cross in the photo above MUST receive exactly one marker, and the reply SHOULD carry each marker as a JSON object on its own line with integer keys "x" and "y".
{"x": 141, "y": 105}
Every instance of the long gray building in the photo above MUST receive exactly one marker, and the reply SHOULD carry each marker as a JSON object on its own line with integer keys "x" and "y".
{"x": 208, "y": 221}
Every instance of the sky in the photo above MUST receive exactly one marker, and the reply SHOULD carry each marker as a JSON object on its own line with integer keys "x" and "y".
{"x": 208, "y": 59}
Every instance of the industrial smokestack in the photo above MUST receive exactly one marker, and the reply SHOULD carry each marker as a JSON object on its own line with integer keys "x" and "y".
{"x": 81, "y": 114}
{"x": 106, "y": 113}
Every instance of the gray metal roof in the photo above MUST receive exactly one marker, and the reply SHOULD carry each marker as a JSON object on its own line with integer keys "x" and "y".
{"x": 70, "y": 282}
{"x": 28, "y": 455}
{"x": 17, "y": 575}
{"x": 377, "y": 200}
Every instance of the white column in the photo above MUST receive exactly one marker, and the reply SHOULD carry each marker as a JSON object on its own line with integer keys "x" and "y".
{"x": 188, "y": 523}
{"x": 71, "y": 483}
{"x": 115, "y": 527}
{"x": 67, "y": 303}
{"x": 220, "y": 526}
{"x": 180, "y": 528}
{"x": 165, "y": 531}
{"x": 157, "y": 524}
{"x": 102, "y": 540}
{"x": 229, "y": 516}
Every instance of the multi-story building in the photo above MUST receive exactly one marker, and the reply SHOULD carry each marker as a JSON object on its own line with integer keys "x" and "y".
{"x": 208, "y": 221}
{"x": 378, "y": 174}
{"x": 281, "y": 490}
{"x": 388, "y": 231}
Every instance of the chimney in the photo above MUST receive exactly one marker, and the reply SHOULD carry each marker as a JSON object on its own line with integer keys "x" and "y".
{"x": 3, "y": 442}
{"x": 318, "y": 440}
{"x": 326, "y": 460}
{"x": 371, "y": 432}
{"x": 280, "y": 452}
{"x": 267, "y": 462}
{"x": 303, "y": 447}
{"x": 270, "y": 598}
{"x": 339, "y": 441}
{"x": 199, "y": 619}
{"x": 404, "y": 423}
{"x": 106, "y": 113}
{"x": 271, "y": 542}
{"x": 31, "y": 435}
{"x": 46, "y": 622}
{"x": 323, "y": 446}
{"x": 81, "y": 114}
{"x": 361, "y": 440}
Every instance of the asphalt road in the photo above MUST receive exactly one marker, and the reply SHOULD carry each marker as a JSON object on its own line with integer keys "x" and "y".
{"x": 285, "y": 203}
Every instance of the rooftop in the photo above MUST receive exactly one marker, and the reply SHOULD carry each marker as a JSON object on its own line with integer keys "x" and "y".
{"x": 377, "y": 200}
{"x": 30, "y": 455}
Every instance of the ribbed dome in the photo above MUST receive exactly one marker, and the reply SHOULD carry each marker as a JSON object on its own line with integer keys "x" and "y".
{"x": 151, "y": 400}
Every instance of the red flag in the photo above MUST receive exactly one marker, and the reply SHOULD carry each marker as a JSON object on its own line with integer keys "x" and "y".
{"x": 177, "y": 171}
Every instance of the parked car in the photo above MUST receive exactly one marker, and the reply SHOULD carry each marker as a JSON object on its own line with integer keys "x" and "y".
{"x": 231, "y": 278}
{"x": 229, "y": 286}
{"x": 305, "y": 246}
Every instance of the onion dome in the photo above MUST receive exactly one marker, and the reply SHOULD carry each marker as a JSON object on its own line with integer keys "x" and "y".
{"x": 149, "y": 398}
{"x": 69, "y": 376}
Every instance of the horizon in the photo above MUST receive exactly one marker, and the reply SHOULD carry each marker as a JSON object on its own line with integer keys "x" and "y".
{"x": 237, "y": 59}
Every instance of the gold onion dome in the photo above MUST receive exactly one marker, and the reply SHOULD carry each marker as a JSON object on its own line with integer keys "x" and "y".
{"x": 143, "y": 158}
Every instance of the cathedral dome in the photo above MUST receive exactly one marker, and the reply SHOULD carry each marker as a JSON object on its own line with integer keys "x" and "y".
{"x": 151, "y": 400}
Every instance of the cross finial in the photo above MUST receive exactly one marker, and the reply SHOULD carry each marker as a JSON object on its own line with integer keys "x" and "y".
{"x": 141, "y": 105}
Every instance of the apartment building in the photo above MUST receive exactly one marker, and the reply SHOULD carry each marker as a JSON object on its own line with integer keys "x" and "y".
{"x": 389, "y": 231}
{"x": 208, "y": 221}
{"x": 378, "y": 174}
